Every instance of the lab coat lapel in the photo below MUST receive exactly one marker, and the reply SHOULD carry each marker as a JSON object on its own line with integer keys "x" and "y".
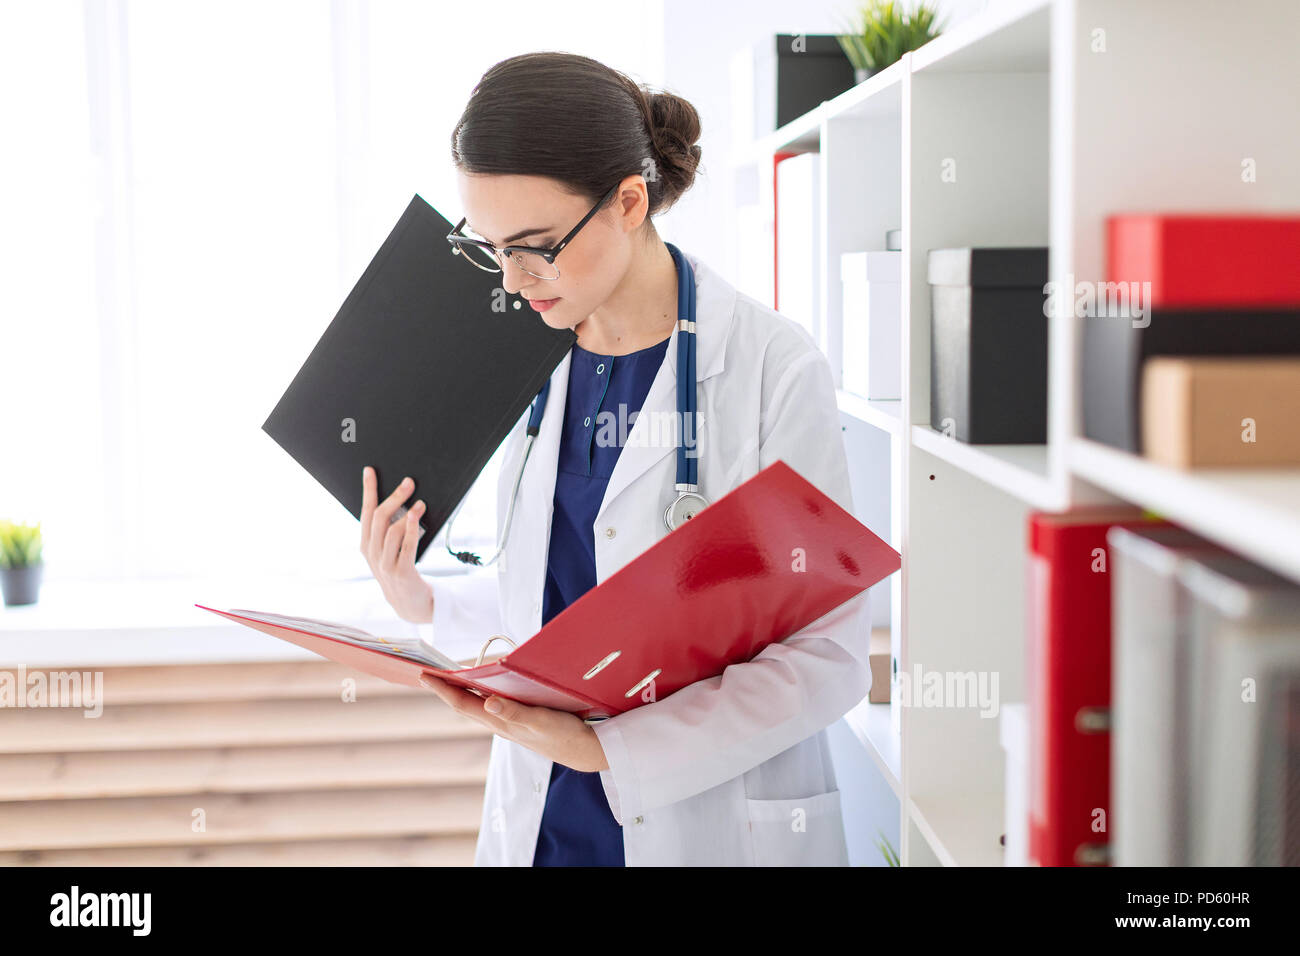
{"x": 538, "y": 484}
{"x": 715, "y": 302}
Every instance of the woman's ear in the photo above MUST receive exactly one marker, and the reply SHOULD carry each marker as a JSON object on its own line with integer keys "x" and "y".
{"x": 632, "y": 201}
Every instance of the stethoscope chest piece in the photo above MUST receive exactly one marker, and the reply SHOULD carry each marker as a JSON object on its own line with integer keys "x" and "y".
{"x": 686, "y": 507}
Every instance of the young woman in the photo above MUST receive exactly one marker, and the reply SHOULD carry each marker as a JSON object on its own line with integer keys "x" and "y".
{"x": 734, "y": 770}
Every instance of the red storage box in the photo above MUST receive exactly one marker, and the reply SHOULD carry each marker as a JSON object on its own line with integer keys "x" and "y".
{"x": 1207, "y": 260}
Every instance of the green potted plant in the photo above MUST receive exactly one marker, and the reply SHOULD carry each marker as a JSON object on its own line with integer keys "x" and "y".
{"x": 886, "y": 30}
{"x": 886, "y": 849}
{"x": 20, "y": 562}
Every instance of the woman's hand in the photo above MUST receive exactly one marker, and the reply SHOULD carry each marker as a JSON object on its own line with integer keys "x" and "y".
{"x": 389, "y": 548}
{"x": 556, "y": 734}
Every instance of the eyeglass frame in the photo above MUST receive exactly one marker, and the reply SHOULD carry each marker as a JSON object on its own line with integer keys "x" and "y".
{"x": 457, "y": 239}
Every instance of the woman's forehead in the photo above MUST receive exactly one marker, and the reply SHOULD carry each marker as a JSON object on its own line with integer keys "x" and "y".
{"x": 505, "y": 209}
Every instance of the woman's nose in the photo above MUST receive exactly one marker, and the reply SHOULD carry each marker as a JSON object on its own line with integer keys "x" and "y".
{"x": 512, "y": 277}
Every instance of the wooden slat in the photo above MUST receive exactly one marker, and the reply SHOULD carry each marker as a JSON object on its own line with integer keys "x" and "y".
{"x": 242, "y": 769}
{"x": 263, "y": 680}
{"x": 398, "y": 851}
{"x": 244, "y": 724}
{"x": 240, "y": 818}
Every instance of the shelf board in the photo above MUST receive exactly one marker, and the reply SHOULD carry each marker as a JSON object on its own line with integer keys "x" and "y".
{"x": 885, "y": 415}
{"x": 879, "y": 95}
{"x": 1014, "y": 37}
{"x": 800, "y": 135}
{"x": 871, "y": 724}
{"x": 1255, "y": 511}
{"x": 1011, "y": 39}
{"x": 962, "y": 827}
{"x": 1019, "y": 470}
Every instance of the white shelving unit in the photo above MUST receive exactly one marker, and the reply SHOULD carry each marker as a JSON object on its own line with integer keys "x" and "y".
{"x": 872, "y": 725}
{"x": 885, "y": 415}
{"x": 1054, "y": 114}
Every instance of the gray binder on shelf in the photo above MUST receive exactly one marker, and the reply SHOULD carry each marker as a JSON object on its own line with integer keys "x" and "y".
{"x": 1149, "y": 700}
{"x": 1244, "y": 807}
{"x": 422, "y": 373}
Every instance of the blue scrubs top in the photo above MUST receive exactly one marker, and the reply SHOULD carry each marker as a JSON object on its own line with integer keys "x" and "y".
{"x": 578, "y": 828}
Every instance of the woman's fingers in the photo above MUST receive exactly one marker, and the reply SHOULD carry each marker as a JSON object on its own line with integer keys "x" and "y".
{"x": 392, "y": 543}
{"x": 381, "y": 521}
{"x": 368, "y": 499}
{"x": 396, "y": 537}
{"x": 466, "y": 703}
{"x": 412, "y": 536}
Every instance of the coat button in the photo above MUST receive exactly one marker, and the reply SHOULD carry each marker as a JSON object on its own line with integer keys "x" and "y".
{"x": 610, "y": 532}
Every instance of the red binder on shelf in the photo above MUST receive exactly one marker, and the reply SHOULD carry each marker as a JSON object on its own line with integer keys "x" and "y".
{"x": 759, "y": 564}
{"x": 1068, "y": 682}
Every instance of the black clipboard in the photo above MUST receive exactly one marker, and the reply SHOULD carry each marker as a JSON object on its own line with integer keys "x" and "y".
{"x": 423, "y": 372}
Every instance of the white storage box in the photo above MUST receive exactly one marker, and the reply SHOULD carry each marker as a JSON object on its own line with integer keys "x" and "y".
{"x": 873, "y": 359}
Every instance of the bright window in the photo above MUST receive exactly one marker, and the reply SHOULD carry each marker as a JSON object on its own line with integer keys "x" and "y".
{"x": 195, "y": 188}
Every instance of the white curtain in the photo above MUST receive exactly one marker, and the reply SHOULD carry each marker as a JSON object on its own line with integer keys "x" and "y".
{"x": 188, "y": 190}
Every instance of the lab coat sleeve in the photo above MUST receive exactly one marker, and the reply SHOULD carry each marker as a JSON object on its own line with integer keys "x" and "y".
{"x": 466, "y": 612}
{"x": 716, "y": 729}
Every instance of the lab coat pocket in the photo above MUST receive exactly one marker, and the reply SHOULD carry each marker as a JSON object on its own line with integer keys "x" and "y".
{"x": 805, "y": 831}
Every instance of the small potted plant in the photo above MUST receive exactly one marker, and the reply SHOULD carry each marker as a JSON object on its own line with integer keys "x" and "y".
{"x": 884, "y": 32}
{"x": 20, "y": 562}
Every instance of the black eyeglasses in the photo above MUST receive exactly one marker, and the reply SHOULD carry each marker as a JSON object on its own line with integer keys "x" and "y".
{"x": 536, "y": 262}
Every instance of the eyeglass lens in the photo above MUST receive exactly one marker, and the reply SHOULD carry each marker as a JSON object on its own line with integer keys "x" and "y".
{"x": 530, "y": 262}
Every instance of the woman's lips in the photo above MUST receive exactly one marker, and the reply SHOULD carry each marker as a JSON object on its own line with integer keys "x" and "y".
{"x": 541, "y": 305}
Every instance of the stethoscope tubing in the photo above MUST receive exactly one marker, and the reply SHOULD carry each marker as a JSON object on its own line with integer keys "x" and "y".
{"x": 687, "y": 460}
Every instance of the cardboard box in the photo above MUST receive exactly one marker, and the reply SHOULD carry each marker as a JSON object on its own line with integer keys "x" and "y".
{"x": 1220, "y": 411}
{"x": 878, "y": 658}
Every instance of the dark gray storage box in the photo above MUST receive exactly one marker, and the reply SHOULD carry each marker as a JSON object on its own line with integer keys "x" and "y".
{"x": 790, "y": 82}
{"x": 1115, "y": 348}
{"x": 988, "y": 344}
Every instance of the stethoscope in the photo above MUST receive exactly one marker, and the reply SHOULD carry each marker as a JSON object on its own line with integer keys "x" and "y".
{"x": 689, "y": 501}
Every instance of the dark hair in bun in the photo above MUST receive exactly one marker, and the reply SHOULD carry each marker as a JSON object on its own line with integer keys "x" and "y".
{"x": 580, "y": 122}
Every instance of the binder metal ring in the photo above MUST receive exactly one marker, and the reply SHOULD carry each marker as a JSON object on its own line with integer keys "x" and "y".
{"x": 488, "y": 643}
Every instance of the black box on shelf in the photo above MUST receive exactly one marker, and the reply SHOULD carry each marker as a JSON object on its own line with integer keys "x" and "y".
{"x": 1116, "y": 345}
{"x": 988, "y": 344}
{"x": 794, "y": 73}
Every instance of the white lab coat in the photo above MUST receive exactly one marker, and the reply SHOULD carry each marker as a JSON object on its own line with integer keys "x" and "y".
{"x": 734, "y": 770}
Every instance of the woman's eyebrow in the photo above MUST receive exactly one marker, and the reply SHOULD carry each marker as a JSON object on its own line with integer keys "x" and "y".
{"x": 515, "y": 238}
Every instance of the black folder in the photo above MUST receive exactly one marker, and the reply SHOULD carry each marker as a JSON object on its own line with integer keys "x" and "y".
{"x": 422, "y": 373}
